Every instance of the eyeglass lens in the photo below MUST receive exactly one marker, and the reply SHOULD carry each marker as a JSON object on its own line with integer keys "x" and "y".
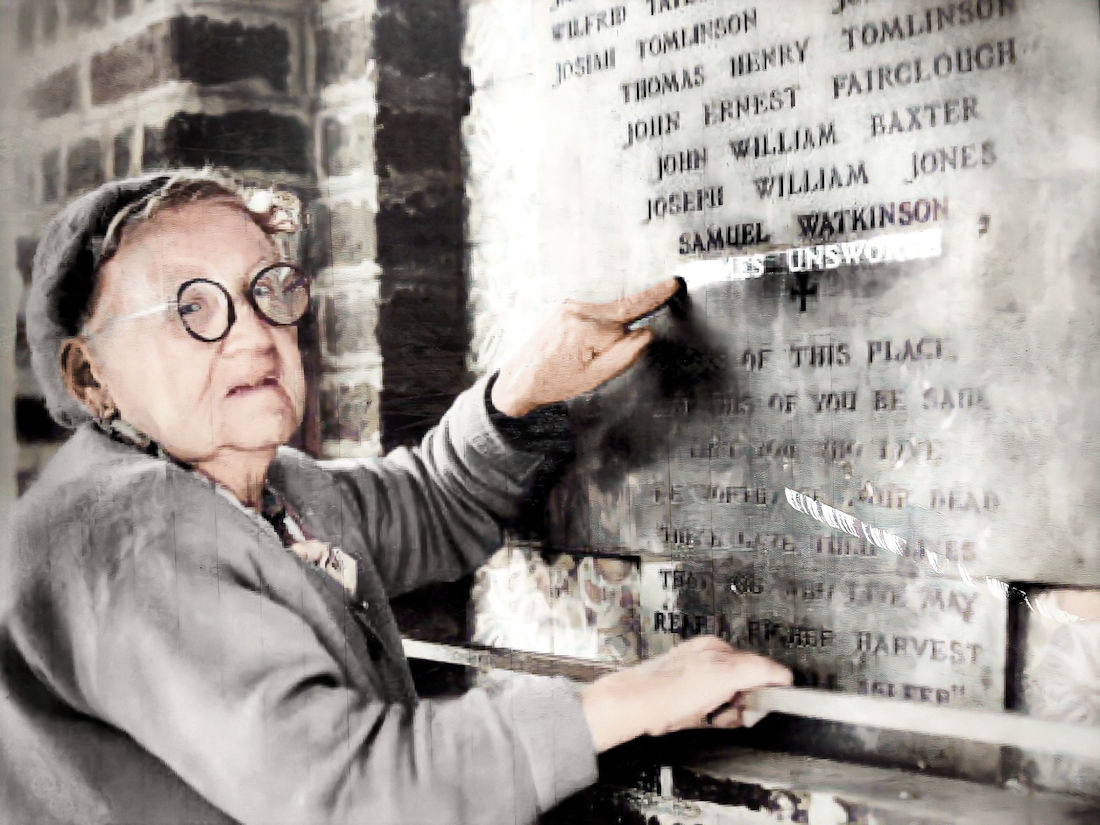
{"x": 204, "y": 308}
{"x": 280, "y": 293}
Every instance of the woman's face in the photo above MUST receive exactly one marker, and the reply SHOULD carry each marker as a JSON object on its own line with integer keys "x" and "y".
{"x": 245, "y": 392}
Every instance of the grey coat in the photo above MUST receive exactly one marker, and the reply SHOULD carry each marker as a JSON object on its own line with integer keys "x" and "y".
{"x": 163, "y": 658}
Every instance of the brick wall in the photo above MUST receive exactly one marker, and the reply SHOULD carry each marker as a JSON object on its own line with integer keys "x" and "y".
{"x": 343, "y": 249}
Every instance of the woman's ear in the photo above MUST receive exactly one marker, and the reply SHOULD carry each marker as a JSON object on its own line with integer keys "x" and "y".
{"x": 78, "y": 371}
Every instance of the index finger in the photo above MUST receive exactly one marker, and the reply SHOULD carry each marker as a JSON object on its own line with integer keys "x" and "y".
{"x": 631, "y": 307}
{"x": 753, "y": 670}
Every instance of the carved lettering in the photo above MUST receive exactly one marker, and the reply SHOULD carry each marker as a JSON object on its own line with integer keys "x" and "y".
{"x": 934, "y": 598}
{"x": 843, "y": 5}
{"x": 721, "y": 238}
{"x": 913, "y": 449}
{"x": 954, "y": 550}
{"x": 890, "y": 496}
{"x": 749, "y": 105}
{"x": 729, "y": 405}
{"x": 584, "y": 65}
{"x": 833, "y": 354}
{"x": 684, "y": 580}
{"x": 757, "y": 496}
{"x": 927, "y": 21}
{"x": 697, "y": 34}
{"x": 844, "y": 546}
{"x": 918, "y": 693}
{"x": 591, "y": 23}
{"x": 963, "y": 501}
{"x": 946, "y": 399}
{"x": 888, "y": 400}
{"x": 935, "y": 650}
{"x": 787, "y": 53}
{"x": 870, "y": 593}
{"x": 665, "y": 83}
{"x": 805, "y": 181}
{"x": 783, "y": 141}
{"x": 676, "y": 163}
{"x": 944, "y": 158}
{"x": 825, "y": 225}
{"x": 964, "y": 59}
{"x": 783, "y": 403}
{"x": 660, "y": 6}
{"x": 765, "y": 633}
{"x": 924, "y": 116}
{"x": 745, "y": 586}
{"x": 844, "y": 401}
{"x": 684, "y": 624}
{"x": 884, "y": 350}
{"x": 678, "y": 203}
{"x": 651, "y": 127}
{"x": 756, "y": 360}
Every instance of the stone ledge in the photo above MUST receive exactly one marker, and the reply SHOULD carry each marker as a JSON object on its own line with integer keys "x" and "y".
{"x": 774, "y": 782}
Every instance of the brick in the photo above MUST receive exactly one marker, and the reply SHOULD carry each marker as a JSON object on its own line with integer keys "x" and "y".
{"x": 349, "y": 412}
{"x": 341, "y": 234}
{"x": 131, "y": 66}
{"x": 121, "y": 151}
{"x": 248, "y": 139}
{"x": 51, "y": 175}
{"x": 413, "y": 141}
{"x": 443, "y": 93}
{"x": 24, "y": 25}
{"x": 412, "y": 232}
{"x": 421, "y": 374}
{"x": 418, "y": 38}
{"x": 33, "y": 424}
{"x": 83, "y": 166}
{"x": 418, "y": 192}
{"x": 22, "y": 348}
{"x": 153, "y": 155}
{"x": 349, "y": 323}
{"x": 347, "y": 145}
{"x": 417, "y": 318}
{"x": 86, "y": 14}
{"x": 56, "y": 95}
{"x": 123, "y": 7}
{"x": 50, "y": 19}
{"x": 24, "y": 257}
{"x": 209, "y": 51}
{"x": 343, "y": 51}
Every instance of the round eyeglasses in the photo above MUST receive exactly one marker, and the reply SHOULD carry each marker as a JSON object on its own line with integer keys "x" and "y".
{"x": 279, "y": 293}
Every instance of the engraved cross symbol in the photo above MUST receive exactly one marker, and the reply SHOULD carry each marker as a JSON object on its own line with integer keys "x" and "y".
{"x": 803, "y": 290}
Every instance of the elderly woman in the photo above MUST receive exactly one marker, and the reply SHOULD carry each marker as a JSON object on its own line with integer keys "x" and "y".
{"x": 194, "y": 624}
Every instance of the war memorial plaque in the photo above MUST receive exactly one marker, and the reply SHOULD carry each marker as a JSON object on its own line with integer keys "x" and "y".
{"x": 872, "y": 427}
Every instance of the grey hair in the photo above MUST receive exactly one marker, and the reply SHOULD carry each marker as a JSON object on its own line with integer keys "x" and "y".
{"x": 276, "y": 212}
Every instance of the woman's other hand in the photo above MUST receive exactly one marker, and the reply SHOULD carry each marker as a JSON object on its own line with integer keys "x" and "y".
{"x": 677, "y": 690}
{"x": 580, "y": 346}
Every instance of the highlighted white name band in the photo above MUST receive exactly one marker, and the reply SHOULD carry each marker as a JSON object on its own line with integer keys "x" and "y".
{"x": 905, "y": 246}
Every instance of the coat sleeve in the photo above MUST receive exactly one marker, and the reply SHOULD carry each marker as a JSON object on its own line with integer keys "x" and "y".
{"x": 433, "y": 512}
{"x": 234, "y": 692}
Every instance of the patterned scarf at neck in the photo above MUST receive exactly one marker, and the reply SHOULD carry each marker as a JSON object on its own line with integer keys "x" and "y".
{"x": 273, "y": 509}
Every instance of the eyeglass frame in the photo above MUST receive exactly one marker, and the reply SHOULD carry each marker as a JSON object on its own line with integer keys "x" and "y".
{"x": 230, "y": 304}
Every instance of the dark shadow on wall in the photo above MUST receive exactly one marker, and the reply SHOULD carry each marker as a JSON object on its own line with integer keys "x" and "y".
{"x": 423, "y": 329}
